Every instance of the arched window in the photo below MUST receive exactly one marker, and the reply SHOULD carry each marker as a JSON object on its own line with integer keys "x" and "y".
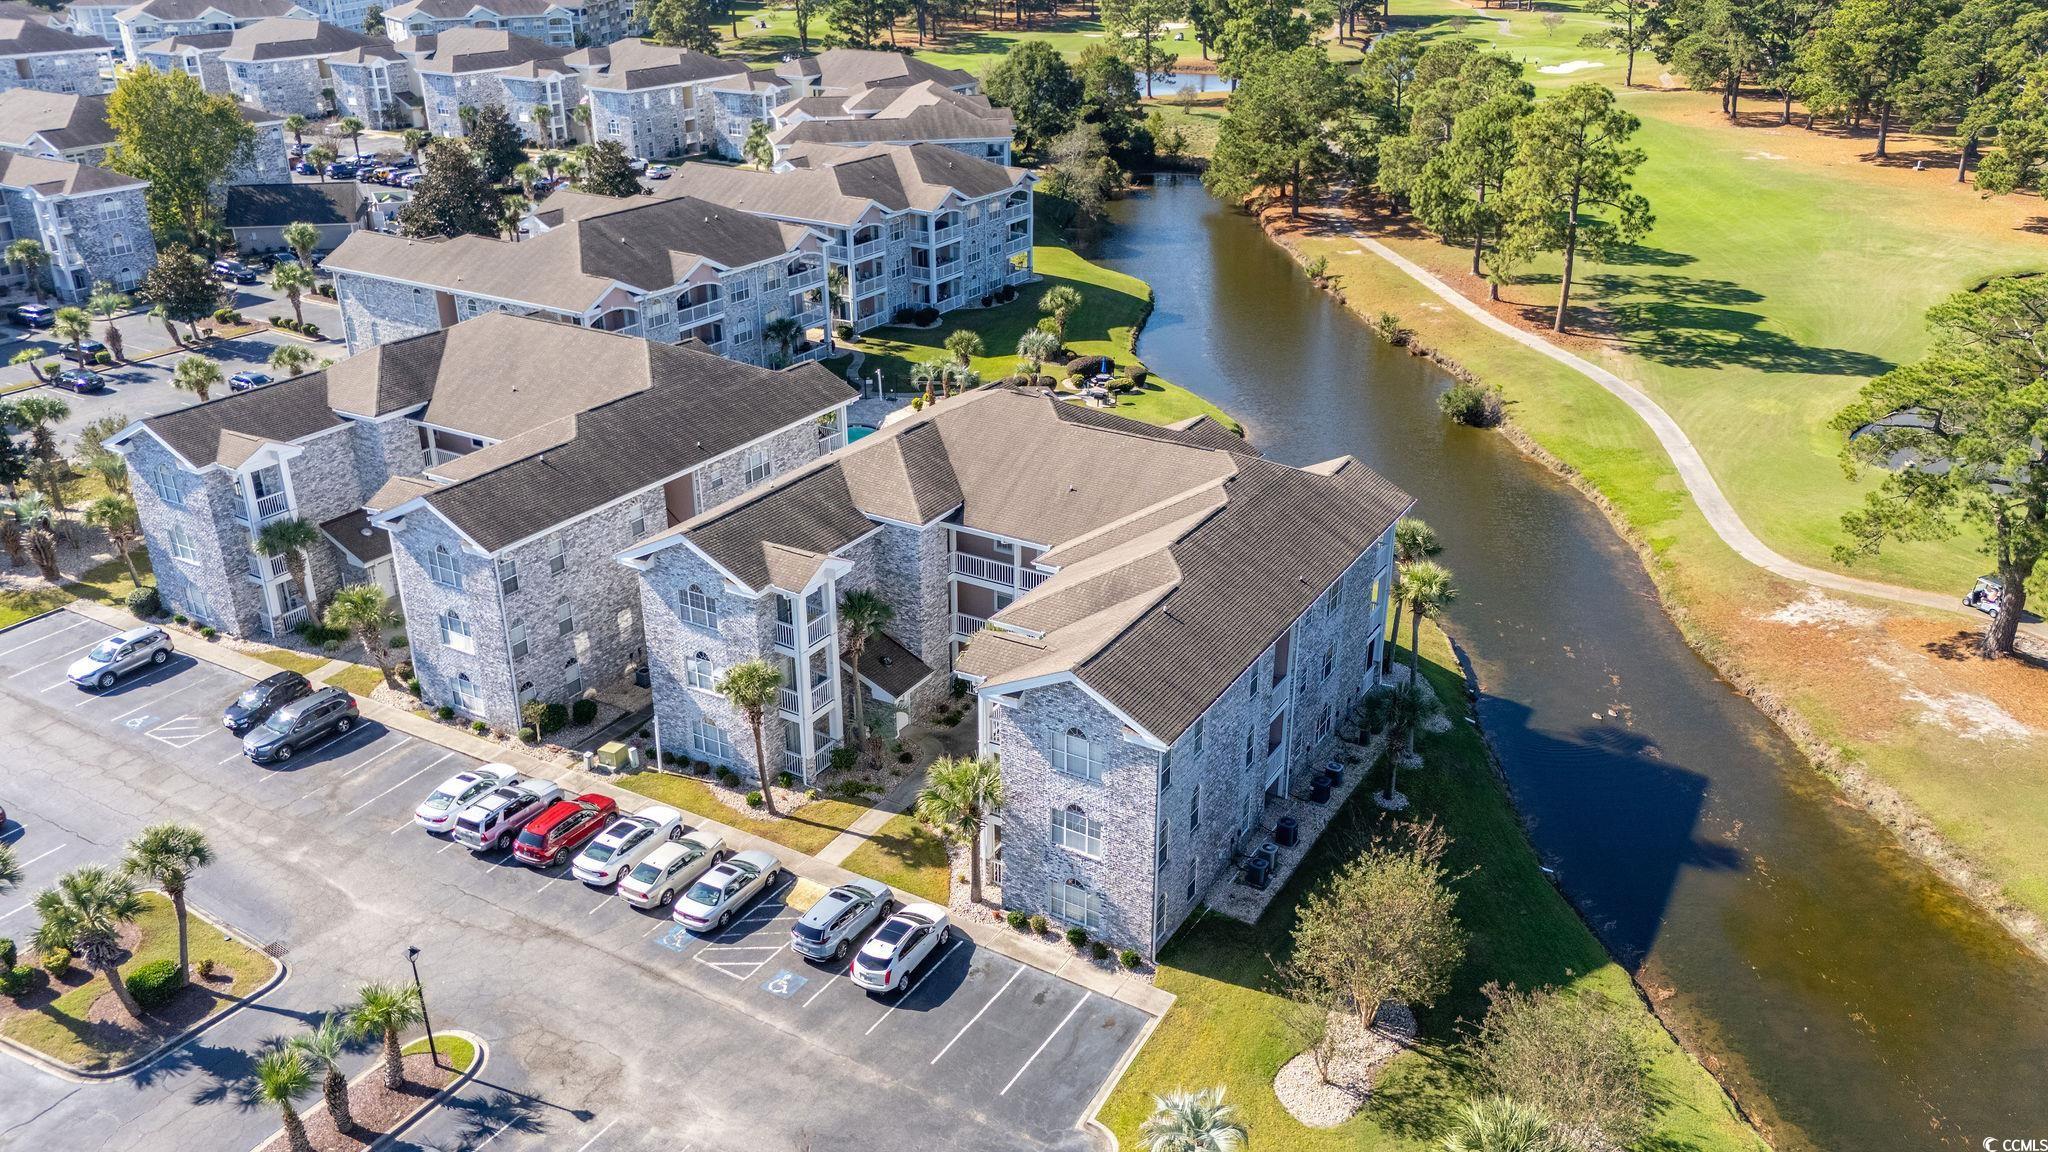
{"x": 699, "y": 609}
{"x": 1074, "y": 903}
{"x": 572, "y": 678}
{"x": 1074, "y": 831}
{"x": 455, "y": 632}
{"x": 466, "y": 699}
{"x": 700, "y": 673}
{"x": 1074, "y": 755}
{"x": 442, "y": 569}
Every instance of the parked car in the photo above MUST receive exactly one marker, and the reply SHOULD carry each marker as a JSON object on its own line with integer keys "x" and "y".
{"x": 301, "y": 724}
{"x": 260, "y": 699}
{"x": 728, "y": 887}
{"x": 124, "y": 652}
{"x": 829, "y": 929}
{"x": 80, "y": 380}
{"x": 561, "y": 828}
{"x": 84, "y": 351}
{"x": 889, "y": 961}
{"x": 659, "y": 171}
{"x": 35, "y": 315}
{"x": 670, "y": 868}
{"x": 305, "y": 168}
{"x": 247, "y": 381}
{"x": 438, "y": 811}
{"x": 491, "y": 820}
{"x": 624, "y": 842}
{"x": 341, "y": 171}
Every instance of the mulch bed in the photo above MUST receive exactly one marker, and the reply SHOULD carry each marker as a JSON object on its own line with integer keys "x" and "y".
{"x": 375, "y": 1108}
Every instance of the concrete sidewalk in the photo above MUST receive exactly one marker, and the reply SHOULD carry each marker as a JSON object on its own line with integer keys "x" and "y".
{"x": 1057, "y": 959}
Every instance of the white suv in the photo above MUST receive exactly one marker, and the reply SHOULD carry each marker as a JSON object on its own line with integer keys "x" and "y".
{"x": 888, "y": 962}
{"x": 496, "y": 816}
{"x": 438, "y": 811}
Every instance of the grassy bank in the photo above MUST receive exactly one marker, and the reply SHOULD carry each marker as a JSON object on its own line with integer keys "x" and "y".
{"x": 106, "y": 583}
{"x": 456, "y": 1052}
{"x": 806, "y": 830}
{"x": 1225, "y": 1027}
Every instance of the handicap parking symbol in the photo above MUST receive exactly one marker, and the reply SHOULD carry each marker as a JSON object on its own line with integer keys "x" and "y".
{"x": 139, "y": 722}
{"x": 675, "y": 939}
{"x": 785, "y": 984}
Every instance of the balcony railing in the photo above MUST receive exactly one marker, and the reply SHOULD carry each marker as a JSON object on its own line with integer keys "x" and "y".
{"x": 785, "y": 634}
{"x": 993, "y": 571}
{"x": 271, "y": 507}
{"x": 789, "y": 702}
{"x": 1031, "y": 578}
{"x": 943, "y": 235}
{"x": 1018, "y": 242}
{"x": 965, "y": 625}
{"x": 867, "y": 248}
{"x": 698, "y": 313}
{"x": 821, "y": 695}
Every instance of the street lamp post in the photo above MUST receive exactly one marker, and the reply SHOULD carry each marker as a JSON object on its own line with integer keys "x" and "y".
{"x": 412, "y": 956}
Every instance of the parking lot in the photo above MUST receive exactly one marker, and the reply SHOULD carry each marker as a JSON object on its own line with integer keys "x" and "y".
{"x": 610, "y": 1027}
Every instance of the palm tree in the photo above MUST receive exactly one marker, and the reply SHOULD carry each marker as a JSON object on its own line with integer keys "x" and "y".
{"x": 321, "y": 156}
{"x": 965, "y": 345}
{"x": 359, "y": 609}
{"x": 322, "y": 1050}
{"x": 415, "y": 139}
{"x": 570, "y": 165}
{"x": 1060, "y": 302}
{"x": 1426, "y": 587}
{"x": 783, "y": 332}
{"x": 32, "y": 359}
{"x": 282, "y": 1080}
{"x": 1414, "y": 540}
{"x": 169, "y": 854}
{"x": 198, "y": 375}
{"x": 85, "y": 912}
{"x": 752, "y": 686}
{"x": 123, "y": 525}
{"x": 29, "y": 256}
{"x": 1184, "y": 1121}
{"x": 543, "y": 124}
{"x": 37, "y": 414}
{"x": 549, "y": 162}
{"x": 528, "y": 175}
{"x": 352, "y": 128}
{"x": 862, "y": 613}
{"x": 294, "y": 280}
{"x": 1503, "y": 1124}
{"x": 301, "y": 238}
{"x": 104, "y": 302}
{"x": 925, "y": 374}
{"x": 10, "y": 868}
{"x": 511, "y": 212}
{"x": 74, "y": 326}
{"x": 386, "y": 1010}
{"x": 296, "y": 125}
{"x": 1036, "y": 347}
{"x": 291, "y": 359}
{"x": 958, "y": 797}
{"x": 291, "y": 539}
{"x": 758, "y": 150}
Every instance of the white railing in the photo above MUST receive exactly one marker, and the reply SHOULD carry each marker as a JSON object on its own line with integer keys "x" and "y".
{"x": 822, "y": 758}
{"x": 785, "y": 634}
{"x": 789, "y": 701}
{"x": 271, "y": 507}
{"x": 1018, "y": 242}
{"x": 965, "y": 625}
{"x": 1032, "y": 578}
{"x": 943, "y": 235}
{"x": 821, "y": 695}
{"x": 698, "y": 313}
{"x": 993, "y": 571}
{"x": 870, "y": 286}
{"x": 869, "y": 248}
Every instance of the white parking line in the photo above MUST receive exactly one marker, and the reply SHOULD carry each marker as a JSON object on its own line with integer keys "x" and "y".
{"x": 394, "y": 787}
{"x": 364, "y": 764}
{"x": 12, "y": 911}
{"x": 602, "y": 903}
{"x": 829, "y": 983}
{"x": 977, "y": 1016}
{"x": 54, "y": 687}
{"x": 38, "y": 640}
{"x": 596, "y": 1138}
{"x": 236, "y": 756}
{"x": 402, "y": 742}
{"x": 409, "y": 823}
{"x": 1045, "y": 1043}
{"x": 655, "y": 927}
{"x": 898, "y": 1002}
{"x": 544, "y": 884}
{"x": 44, "y": 856}
{"x": 450, "y": 844}
{"x": 495, "y": 1135}
{"x": 132, "y": 684}
{"x": 19, "y": 829}
{"x": 50, "y": 661}
{"x": 146, "y": 703}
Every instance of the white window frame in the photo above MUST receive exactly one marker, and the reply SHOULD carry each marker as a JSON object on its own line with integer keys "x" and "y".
{"x": 699, "y": 608}
{"x": 516, "y": 633}
{"x": 508, "y": 575}
{"x": 758, "y": 466}
{"x": 181, "y": 545}
{"x": 1059, "y": 901}
{"x": 708, "y": 741}
{"x": 565, "y": 617}
{"x": 699, "y": 673}
{"x": 442, "y": 569}
{"x": 1074, "y": 831}
{"x": 466, "y": 699}
{"x": 1085, "y": 762}
{"x": 558, "y": 559}
{"x": 455, "y": 631}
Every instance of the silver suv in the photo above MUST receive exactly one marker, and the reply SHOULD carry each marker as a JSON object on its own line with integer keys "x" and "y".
{"x": 830, "y": 928}
{"x": 118, "y": 655}
{"x": 494, "y": 818}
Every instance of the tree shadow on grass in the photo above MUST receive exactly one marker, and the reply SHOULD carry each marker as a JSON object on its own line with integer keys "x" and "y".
{"x": 1691, "y": 322}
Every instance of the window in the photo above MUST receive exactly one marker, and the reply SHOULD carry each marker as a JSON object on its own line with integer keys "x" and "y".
{"x": 742, "y": 292}
{"x": 1248, "y": 746}
{"x": 1163, "y": 829}
{"x": 698, "y": 608}
{"x": 1195, "y": 809}
{"x": 517, "y": 634}
{"x": 466, "y": 699}
{"x": 1283, "y": 652}
{"x": 708, "y": 742}
{"x": 181, "y": 546}
{"x": 1329, "y": 659}
{"x": 508, "y": 574}
{"x": 572, "y": 678}
{"x": 441, "y": 568}
{"x": 697, "y": 669}
{"x": 638, "y": 528}
{"x": 1073, "y": 755}
{"x": 625, "y": 623}
{"x": 557, "y": 562}
{"x": 565, "y": 617}
{"x": 757, "y": 465}
{"x": 1070, "y": 901}
{"x": 1195, "y": 736}
{"x": 455, "y": 632}
{"x": 1165, "y": 770}
{"x": 1075, "y": 832}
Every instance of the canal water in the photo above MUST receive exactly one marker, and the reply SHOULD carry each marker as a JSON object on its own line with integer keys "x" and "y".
{"x": 1848, "y": 997}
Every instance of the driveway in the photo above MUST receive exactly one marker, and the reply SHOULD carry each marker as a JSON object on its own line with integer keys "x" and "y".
{"x": 610, "y": 1028}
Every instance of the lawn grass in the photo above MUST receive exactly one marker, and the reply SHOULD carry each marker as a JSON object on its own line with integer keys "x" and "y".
{"x": 1113, "y": 307}
{"x": 358, "y": 679}
{"x": 1225, "y": 1026}
{"x": 906, "y": 856}
{"x": 59, "y": 1029}
{"x": 1199, "y": 122}
{"x": 456, "y": 1052}
{"x": 806, "y": 830}
{"x": 290, "y": 661}
{"x": 972, "y": 45}
{"x": 107, "y": 583}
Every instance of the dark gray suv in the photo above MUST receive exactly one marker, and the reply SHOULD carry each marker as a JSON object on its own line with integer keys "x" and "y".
{"x": 299, "y": 725}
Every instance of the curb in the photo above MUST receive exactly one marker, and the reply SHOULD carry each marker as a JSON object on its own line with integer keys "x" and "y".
{"x": 427, "y": 1106}
{"x": 83, "y": 1076}
{"x": 1091, "y": 1120}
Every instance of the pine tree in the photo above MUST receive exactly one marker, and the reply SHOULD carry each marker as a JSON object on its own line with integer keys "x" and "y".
{"x": 453, "y": 198}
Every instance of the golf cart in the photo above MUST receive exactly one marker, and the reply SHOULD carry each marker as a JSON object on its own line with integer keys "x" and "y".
{"x": 1984, "y": 597}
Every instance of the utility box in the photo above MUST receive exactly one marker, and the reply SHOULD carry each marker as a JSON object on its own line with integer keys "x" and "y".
{"x": 612, "y": 755}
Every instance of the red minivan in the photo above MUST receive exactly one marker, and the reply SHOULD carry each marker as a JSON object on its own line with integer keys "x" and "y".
{"x": 562, "y": 829}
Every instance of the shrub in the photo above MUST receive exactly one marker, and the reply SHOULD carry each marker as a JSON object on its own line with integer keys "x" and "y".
{"x": 1138, "y": 374}
{"x": 209, "y": 631}
{"x": 927, "y": 316}
{"x": 178, "y": 619}
{"x": 1090, "y": 365}
{"x": 896, "y": 746}
{"x": 279, "y": 321}
{"x": 142, "y": 602}
{"x": 1474, "y": 405}
{"x": 727, "y": 776}
{"x": 1098, "y": 949}
{"x": 645, "y": 734}
{"x": 917, "y": 403}
{"x": 56, "y": 961}
{"x": 1129, "y": 958}
{"x": 309, "y": 329}
{"x": 1038, "y": 924}
{"x": 103, "y": 357}
{"x": 330, "y": 645}
{"x": 21, "y": 980}
{"x": 412, "y": 685}
{"x": 553, "y": 719}
{"x": 842, "y": 331}
{"x": 1388, "y": 326}
{"x": 987, "y": 300}
{"x": 1574, "y": 1055}
{"x": 526, "y": 735}
{"x": 479, "y": 727}
{"x": 845, "y": 757}
{"x": 583, "y": 712}
{"x": 7, "y": 953}
{"x": 223, "y": 315}
{"x": 1007, "y": 294}
{"x": 1317, "y": 268}
{"x": 206, "y": 967}
{"x": 154, "y": 983}
{"x": 399, "y": 641}
{"x": 1016, "y": 918}
{"x": 445, "y": 712}
{"x": 1077, "y": 936}
{"x": 786, "y": 779}
{"x": 904, "y": 757}
{"x": 754, "y": 798}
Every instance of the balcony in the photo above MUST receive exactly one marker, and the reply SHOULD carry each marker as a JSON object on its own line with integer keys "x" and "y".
{"x": 945, "y": 235}
{"x": 789, "y": 702}
{"x": 943, "y": 270}
{"x": 1018, "y": 242}
{"x": 1031, "y": 578}
{"x": 272, "y": 507}
{"x": 965, "y": 625}
{"x": 993, "y": 571}
{"x": 785, "y": 635}
{"x": 822, "y": 695}
{"x": 698, "y": 313}
{"x": 868, "y": 249}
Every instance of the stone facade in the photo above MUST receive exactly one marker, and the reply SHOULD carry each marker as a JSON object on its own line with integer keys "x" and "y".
{"x": 744, "y": 629}
{"x": 446, "y": 94}
{"x": 733, "y": 115}
{"x": 90, "y": 237}
{"x": 558, "y": 26}
{"x": 203, "y": 63}
{"x": 77, "y": 72}
{"x": 266, "y": 163}
{"x": 370, "y": 92}
{"x": 654, "y": 124}
{"x": 377, "y": 311}
{"x": 281, "y": 86}
{"x": 558, "y": 92}
{"x": 945, "y": 259}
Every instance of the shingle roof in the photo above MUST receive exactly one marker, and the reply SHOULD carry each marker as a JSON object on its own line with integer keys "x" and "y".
{"x": 387, "y": 378}
{"x": 633, "y": 65}
{"x": 59, "y": 177}
{"x": 223, "y": 431}
{"x": 646, "y": 244}
{"x": 283, "y": 38}
{"x": 67, "y": 121}
{"x": 462, "y": 9}
{"x": 276, "y": 205}
{"x": 890, "y": 667}
{"x": 197, "y": 41}
{"x": 923, "y": 112}
{"x": 847, "y": 69}
{"x": 461, "y": 50}
{"x": 352, "y": 533}
{"x": 172, "y": 11}
{"x": 25, "y": 30}
{"x": 836, "y": 185}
